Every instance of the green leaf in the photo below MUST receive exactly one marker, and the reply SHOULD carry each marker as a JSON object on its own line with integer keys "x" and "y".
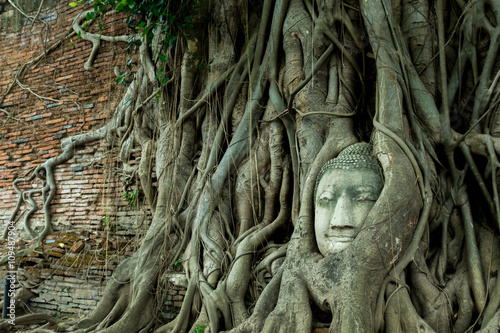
{"x": 162, "y": 57}
{"x": 112, "y": 2}
{"x": 79, "y": 34}
{"x": 176, "y": 262}
{"x": 141, "y": 24}
{"x": 155, "y": 11}
{"x": 100, "y": 26}
{"x": 200, "y": 329}
{"x": 73, "y": 4}
{"x": 119, "y": 6}
{"x": 90, "y": 16}
{"x": 171, "y": 40}
{"x": 70, "y": 42}
{"x": 119, "y": 79}
{"x": 146, "y": 31}
{"x": 164, "y": 80}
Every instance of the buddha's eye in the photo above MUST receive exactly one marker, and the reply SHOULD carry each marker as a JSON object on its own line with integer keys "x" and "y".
{"x": 365, "y": 196}
{"x": 325, "y": 197}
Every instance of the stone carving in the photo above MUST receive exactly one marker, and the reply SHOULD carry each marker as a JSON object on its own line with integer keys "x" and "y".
{"x": 347, "y": 188}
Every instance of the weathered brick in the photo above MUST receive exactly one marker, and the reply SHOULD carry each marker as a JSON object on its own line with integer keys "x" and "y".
{"x": 86, "y": 301}
{"x": 78, "y": 246}
{"x": 21, "y": 140}
{"x": 48, "y": 106}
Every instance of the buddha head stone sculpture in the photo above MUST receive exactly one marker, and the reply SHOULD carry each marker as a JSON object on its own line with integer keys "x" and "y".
{"x": 347, "y": 187}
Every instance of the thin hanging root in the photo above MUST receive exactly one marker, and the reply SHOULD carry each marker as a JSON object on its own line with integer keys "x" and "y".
{"x": 180, "y": 323}
{"x": 492, "y": 308}
{"x": 95, "y": 39}
{"x": 492, "y": 205}
{"x": 239, "y": 277}
{"x": 266, "y": 264}
{"x": 458, "y": 287}
{"x": 317, "y": 66}
{"x": 443, "y": 255}
{"x": 277, "y": 154}
{"x": 494, "y": 165}
{"x": 494, "y": 302}
{"x": 401, "y": 314}
{"x": 205, "y": 98}
{"x": 473, "y": 257}
{"x": 32, "y": 65}
{"x": 485, "y": 77}
{"x": 262, "y": 309}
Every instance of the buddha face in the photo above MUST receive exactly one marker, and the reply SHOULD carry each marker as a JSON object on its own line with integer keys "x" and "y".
{"x": 344, "y": 197}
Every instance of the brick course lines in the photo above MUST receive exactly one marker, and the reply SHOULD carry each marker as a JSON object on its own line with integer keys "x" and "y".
{"x": 87, "y": 192}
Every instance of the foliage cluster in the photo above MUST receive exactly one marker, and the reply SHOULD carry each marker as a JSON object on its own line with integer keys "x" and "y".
{"x": 147, "y": 18}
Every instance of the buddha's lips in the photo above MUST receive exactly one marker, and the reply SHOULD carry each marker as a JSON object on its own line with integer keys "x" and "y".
{"x": 341, "y": 238}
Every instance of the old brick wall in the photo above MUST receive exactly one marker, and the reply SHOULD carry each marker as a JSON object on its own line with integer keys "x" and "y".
{"x": 73, "y": 101}
{"x": 56, "y": 99}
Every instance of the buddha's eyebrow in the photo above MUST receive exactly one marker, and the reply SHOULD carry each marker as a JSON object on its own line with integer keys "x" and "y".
{"x": 364, "y": 188}
{"x": 326, "y": 191}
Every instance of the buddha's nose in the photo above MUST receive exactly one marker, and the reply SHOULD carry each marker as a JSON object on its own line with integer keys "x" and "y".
{"x": 342, "y": 214}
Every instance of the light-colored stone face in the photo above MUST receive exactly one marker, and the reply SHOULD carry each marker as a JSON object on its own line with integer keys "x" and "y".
{"x": 343, "y": 200}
